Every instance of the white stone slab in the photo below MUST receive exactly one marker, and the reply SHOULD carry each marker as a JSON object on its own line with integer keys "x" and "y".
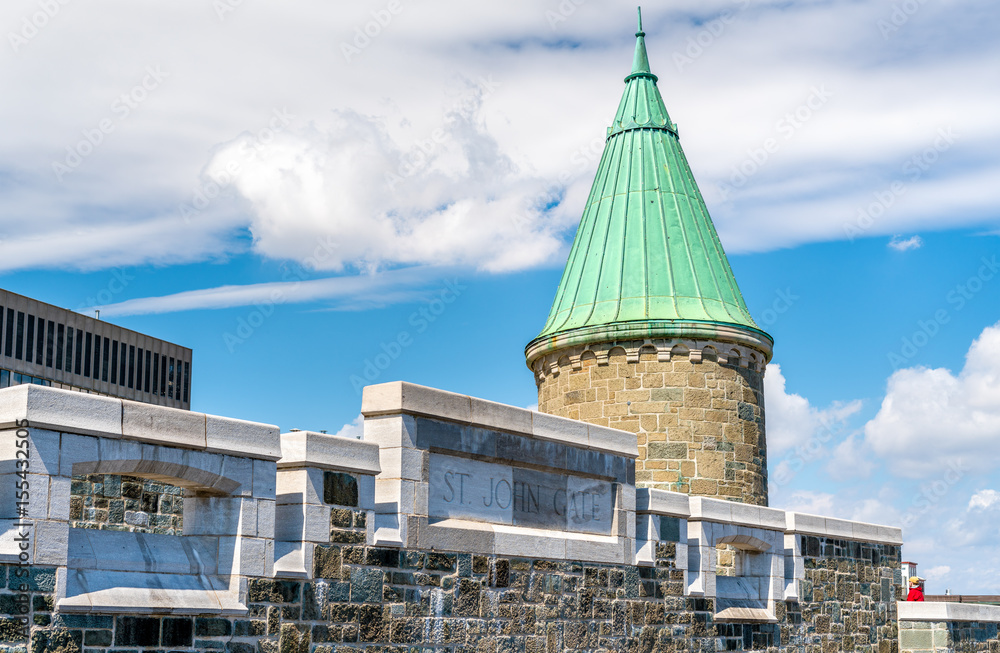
{"x": 797, "y": 522}
{"x": 162, "y": 425}
{"x": 401, "y": 397}
{"x": 244, "y": 556}
{"x": 14, "y": 539}
{"x": 220, "y": 516}
{"x": 705, "y": 509}
{"x": 400, "y": 462}
{"x": 559, "y": 429}
{"x": 240, "y": 470}
{"x": 60, "y": 489}
{"x": 304, "y": 485}
{"x": 242, "y": 438}
{"x": 40, "y": 449}
{"x": 265, "y": 518}
{"x": 662, "y": 502}
{"x": 460, "y": 488}
{"x": 106, "y": 592}
{"x": 528, "y": 543}
{"x": 391, "y": 431}
{"x": 924, "y": 611}
{"x": 490, "y": 414}
{"x": 308, "y": 449}
{"x": 620, "y": 443}
{"x": 293, "y": 559}
{"x": 302, "y": 522}
{"x": 609, "y": 550}
{"x": 147, "y": 552}
{"x": 51, "y": 539}
{"x": 60, "y": 410}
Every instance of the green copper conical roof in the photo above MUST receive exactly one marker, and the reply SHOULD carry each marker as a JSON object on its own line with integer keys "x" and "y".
{"x": 646, "y": 261}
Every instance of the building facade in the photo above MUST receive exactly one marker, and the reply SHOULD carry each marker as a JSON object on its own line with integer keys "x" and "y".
{"x": 649, "y": 332}
{"x": 46, "y": 345}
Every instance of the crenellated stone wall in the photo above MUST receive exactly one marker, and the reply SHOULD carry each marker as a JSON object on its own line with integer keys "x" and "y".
{"x": 293, "y": 544}
{"x": 698, "y": 415}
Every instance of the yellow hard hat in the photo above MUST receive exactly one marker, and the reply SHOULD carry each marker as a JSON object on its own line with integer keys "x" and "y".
{"x": 914, "y": 580}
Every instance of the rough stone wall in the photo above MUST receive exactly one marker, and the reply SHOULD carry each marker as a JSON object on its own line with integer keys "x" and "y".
{"x": 700, "y": 425}
{"x": 381, "y": 600}
{"x": 126, "y": 503}
{"x": 951, "y": 636}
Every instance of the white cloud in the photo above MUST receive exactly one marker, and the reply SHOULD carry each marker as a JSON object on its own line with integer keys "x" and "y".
{"x": 350, "y": 292}
{"x": 901, "y": 244}
{"x": 984, "y": 499}
{"x": 558, "y": 87}
{"x": 793, "y": 422}
{"x": 937, "y": 573}
{"x": 931, "y": 418}
{"x": 454, "y": 199}
{"x": 355, "y": 429}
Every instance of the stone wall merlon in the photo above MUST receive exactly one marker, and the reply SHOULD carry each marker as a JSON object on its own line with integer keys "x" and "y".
{"x": 923, "y": 611}
{"x": 662, "y": 502}
{"x": 741, "y": 514}
{"x": 65, "y": 411}
{"x": 406, "y": 398}
{"x": 804, "y": 524}
{"x": 323, "y": 451}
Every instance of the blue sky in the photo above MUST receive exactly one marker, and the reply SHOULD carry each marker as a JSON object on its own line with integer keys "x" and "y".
{"x": 310, "y": 209}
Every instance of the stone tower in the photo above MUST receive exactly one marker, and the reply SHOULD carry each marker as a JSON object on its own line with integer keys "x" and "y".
{"x": 649, "y": 332}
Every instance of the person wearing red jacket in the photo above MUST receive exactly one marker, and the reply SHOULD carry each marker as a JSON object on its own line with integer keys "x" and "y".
{"x": 916, "y": 590}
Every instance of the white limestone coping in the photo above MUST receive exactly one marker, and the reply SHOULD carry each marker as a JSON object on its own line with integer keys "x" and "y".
{"x": 332, "y": 452}
{"x": 694, "y": 508}
{"x": 803, "y": 524}
{"x": 662, "y": 502}
{"x": 66, "y": 411}
{"x": 924, "y": 611}
{"x": 401, "y": 397}
{"x": 741, "y": 514}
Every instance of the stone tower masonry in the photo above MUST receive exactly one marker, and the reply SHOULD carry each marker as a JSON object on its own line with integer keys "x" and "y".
{"x": 649, "y": 332}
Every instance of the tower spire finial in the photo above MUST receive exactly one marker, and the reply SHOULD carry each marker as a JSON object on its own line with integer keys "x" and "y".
{"x": 640, "y": 64}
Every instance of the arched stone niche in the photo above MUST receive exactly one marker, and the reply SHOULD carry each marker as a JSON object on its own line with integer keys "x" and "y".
{"x": 226, "y": 466}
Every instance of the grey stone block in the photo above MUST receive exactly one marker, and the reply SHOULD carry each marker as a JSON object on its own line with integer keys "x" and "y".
{"x": 265, "y": 473}
{"x": 239, "y": 470}
{"x": 74, "y": 449}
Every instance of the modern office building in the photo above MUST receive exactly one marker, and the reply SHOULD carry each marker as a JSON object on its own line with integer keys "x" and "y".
{"x": 52, "y": 346}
